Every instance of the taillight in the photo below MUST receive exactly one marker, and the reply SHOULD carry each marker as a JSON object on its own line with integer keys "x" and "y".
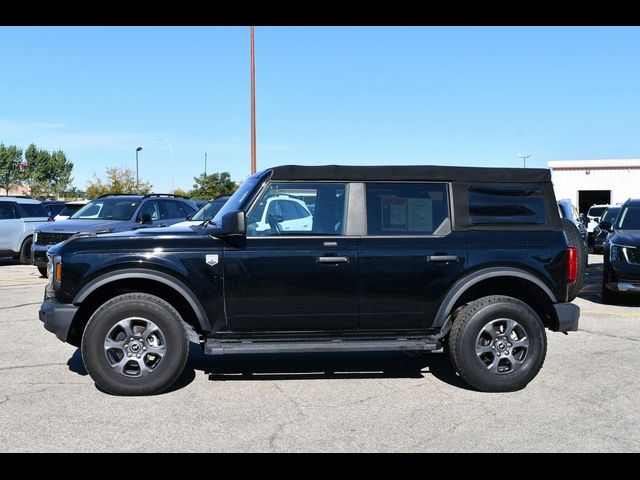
{"x": 573, "y": 264}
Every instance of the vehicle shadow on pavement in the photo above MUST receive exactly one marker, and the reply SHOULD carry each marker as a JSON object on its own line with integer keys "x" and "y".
{"x": 324, "y": 366}
{"x": 306, "y": 366}
{"x": 592, "y": 289}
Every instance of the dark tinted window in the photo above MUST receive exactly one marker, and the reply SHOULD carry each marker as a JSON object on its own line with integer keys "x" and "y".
{"x": 174, "y": 209}
{"x": 27, "y": 210}
{"x": 629, "y": 218}
{"x": 69, "y": 210}
{"x": 406, "y": 208}
{"x": 150, "y": 208}
{"x": 519, "y": 204}
{"x": 6, "y": 211}
{"x": 596, "y": 211}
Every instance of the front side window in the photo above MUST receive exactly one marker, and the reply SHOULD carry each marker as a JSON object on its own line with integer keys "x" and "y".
{"x": 283, "y": 209}
{"x": 406, "y": 208}
{"x": 500, "y": 204}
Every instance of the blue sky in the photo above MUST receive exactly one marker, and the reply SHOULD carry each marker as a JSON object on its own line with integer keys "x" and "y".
{"x": 347, "y": 95}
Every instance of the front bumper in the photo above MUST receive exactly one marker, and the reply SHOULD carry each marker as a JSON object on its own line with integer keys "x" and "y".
{"x": 39, "y": 255}
{"x": 568, "y": 315}
{"x": 57, "y": 317}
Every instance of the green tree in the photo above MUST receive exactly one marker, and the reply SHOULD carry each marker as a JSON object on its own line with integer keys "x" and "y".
{"x": 118, "y": 180}
{"x": 10, "y": 172}
{"x": 211, "y": 186}
{"x": 181, "y": 192}
{"x": 48, "y": 173}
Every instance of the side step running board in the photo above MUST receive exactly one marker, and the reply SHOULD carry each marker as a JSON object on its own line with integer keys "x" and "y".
{"x": 221, "y": 347}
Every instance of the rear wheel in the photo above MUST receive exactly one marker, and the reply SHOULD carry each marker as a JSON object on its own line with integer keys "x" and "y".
{"x": 575, "y": 240}
{"x": 497, "y": 344}
{"x": 135, "y": 344}
{"x": 25, "y": 251}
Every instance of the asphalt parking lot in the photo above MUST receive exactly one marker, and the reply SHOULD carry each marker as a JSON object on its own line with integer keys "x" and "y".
{"x": 585, "y": 398}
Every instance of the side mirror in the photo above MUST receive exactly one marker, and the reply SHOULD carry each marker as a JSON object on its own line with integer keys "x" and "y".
{"x": 145, "y": 219}
{"x": 606, "y": 225}
{"x": 233, "y": 223}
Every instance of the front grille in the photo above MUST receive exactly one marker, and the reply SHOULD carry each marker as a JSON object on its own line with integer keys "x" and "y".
{"x": 633, "y": 255}
{"x": 52, "y": 238}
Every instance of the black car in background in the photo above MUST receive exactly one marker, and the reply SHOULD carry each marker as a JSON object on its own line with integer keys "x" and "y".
{"x": 621, "y": 273}
{"x": 570, "y": 212}
{"x": 53, "y": 207}
{"x": 604, "y": 227}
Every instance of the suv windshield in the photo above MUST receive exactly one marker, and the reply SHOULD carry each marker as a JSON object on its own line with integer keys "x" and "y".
{"x": 208, "y": 210}
{"x": 238, "y": 199}
{"x": 609, "y": 214}
{"x": 596, "y": 211}
{"x": 107, "y": 209}
{"x": 629, "y": 218}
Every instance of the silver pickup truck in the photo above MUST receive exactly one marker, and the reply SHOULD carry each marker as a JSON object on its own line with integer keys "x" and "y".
{"x": 19, "y": 218}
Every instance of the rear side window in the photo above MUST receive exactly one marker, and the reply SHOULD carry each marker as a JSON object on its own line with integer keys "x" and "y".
{"x": 174, "y": 209}
{"x": 506, "y": 204}
{"x": 27, "y": 210}
{"x": 406, "y": 208}
{"x": 6, "y": 211}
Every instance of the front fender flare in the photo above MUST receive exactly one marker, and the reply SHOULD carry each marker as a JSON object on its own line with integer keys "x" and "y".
{"x": 161, "y": 277}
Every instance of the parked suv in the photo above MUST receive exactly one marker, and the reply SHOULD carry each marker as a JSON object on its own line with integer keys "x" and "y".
{"x": 19, "y": 217}
{"x": 621, "y": 254}
{"x": 111, "y": 213}
{"x": 412, "y": 258}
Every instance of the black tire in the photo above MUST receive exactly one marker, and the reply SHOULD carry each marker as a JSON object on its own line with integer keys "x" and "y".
{"x": 575, "y": 240}
{"x": 43, "y": 271}
{"x": 467, "y": 332}
{"x": 609, "y": 297}
{"x": 25, "y": 251}
{"x": 123, "y": 308}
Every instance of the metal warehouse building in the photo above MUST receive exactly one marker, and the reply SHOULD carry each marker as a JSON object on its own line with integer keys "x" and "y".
{"x": 588, "y": 182}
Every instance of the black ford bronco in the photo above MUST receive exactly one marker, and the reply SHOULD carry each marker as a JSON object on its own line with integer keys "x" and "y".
{"x": 323, "y": 259}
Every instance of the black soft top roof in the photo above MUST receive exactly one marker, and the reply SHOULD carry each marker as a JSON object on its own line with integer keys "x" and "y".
{"x": 411, "y": 172}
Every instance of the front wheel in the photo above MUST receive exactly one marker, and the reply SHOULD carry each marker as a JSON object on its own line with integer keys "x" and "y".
{"x": 497, "y": 344}
{"x": 135, "y": 344}
{"x": 25, "y": 251}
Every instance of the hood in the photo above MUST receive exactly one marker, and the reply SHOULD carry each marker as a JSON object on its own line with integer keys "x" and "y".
{"x": 630, "y": 238}
{"x": 188, "y": 223}
{"x": 159, "y": 231}
{"x": 75, "y": 226}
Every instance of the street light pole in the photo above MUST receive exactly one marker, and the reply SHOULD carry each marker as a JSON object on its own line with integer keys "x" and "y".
{"x": 205, "y": 164}
{"x": 137, "y": 180}
{"x": 524, "y": 159}
{"x": 253, "y": 107}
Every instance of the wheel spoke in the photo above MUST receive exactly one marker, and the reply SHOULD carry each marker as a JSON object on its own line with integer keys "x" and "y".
{"x": 159, "y": 350}
{"x": 144, "y": 369}
{"x": 110, "y": 344}
{"x": 120, "y": 366}
{"x": 126, "y": 326}
{"x": 489, "y": 330}
{"x": 522, "y": 342}
{"x": 510, "y": 325}
{"x": 482, "y": 349}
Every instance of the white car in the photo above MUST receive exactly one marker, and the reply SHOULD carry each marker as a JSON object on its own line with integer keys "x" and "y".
{"x": 19, "y": 218}
{"x": 69, "y": 209}
{"x": 594, "y": 214}
{"x": 289, "y": 213}
{"x": 206, "y": 212}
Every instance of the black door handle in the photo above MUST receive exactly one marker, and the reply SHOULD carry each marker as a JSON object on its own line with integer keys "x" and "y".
{"x": 333, "y": 259}
{"x": 442, "y": 258}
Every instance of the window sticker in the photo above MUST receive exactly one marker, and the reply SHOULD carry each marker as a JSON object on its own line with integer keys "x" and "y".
{"x": 420, "y": 215}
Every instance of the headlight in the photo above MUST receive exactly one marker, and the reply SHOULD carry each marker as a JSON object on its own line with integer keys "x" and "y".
{"x": 618, "y": 252}
{"x": 54, "y": 271}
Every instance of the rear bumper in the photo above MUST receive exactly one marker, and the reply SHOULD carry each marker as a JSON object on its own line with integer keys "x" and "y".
{"x": 568, "y": 315}
{"x": 57, "y": 317}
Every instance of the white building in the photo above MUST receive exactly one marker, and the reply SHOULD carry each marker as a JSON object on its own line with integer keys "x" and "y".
{"x": 589, "y": 182}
